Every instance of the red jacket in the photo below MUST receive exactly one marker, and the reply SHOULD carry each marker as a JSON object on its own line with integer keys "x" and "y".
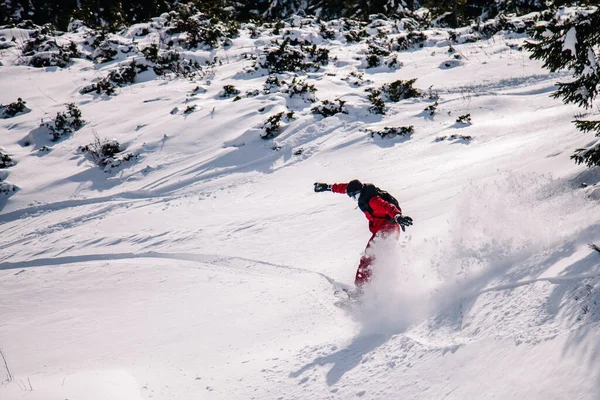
{"x": 383, "y": 212}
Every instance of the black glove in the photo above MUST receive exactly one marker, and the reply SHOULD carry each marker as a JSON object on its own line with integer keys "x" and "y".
{"x": 403, "y": 221}
{"x": 322, "y": 187}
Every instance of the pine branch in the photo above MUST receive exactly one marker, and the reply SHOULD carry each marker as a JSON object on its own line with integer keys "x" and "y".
{"x": 589, "y": 156}
{"x": 582, "y": 91}
{"x": 588, "y": 126}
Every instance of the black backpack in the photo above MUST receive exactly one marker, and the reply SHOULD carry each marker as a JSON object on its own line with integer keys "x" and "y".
{"x": 368, "y": 192}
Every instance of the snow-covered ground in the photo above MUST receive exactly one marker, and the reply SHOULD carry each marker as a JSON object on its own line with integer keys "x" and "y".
{"x": 206, "y": 267}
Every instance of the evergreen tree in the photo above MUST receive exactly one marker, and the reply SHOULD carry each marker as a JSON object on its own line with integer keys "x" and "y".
{"x": 573, "y": 44}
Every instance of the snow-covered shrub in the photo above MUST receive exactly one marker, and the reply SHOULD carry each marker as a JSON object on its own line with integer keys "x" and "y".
{"x": 104, "y": 85}
{"x": 411, "y": 39}
{"x": 272, "y": 125}
{"x": 291, "y": 55}
{"x": 5, "y": 45}
{"x": 501, "y": 23}
{"x": 375, "y": 54}
{"x": 65, "y": 122}
{"x": 44, "y": 51}
{"x": 405, "y": 131}
{"x": 252, "y": 30}
{"x": 392, "y": 62}
{"x": 197, "y": 90}
{"x": 318, "y": 55}
{"x": 12, "y": 109}
{"x": 356, "y": 79}
{"x": 284, "y": 57}
{"x": 196, "y": 30}
{"x": 464, "y": 119}
{"x": 377, "y": 103}
{"x": 356, "y": 35}
{"x": 300, "y": 88}
{"x": 105, "y": 49}
{"x": 328, "y": 108}
{"x": 228, "y": 91}
{"x": 460, "y": 138}
{"x": 400, "y": 90}
{"x": 104, "y": 152}
{"x": 272, "y": 85}
{"x": 326, "y": 33}
{"x": 171, "y": 62}
{"x": 7, "y": 188}
{"x": 189, "y": 109}
{"x": 123, "y": 75}
{"x": 151, "y": 52}
{"x": 432, "y": 108}
{"x": 5, "y": 160}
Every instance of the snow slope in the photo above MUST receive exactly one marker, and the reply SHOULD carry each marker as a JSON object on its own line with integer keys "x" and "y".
{"x": 205, "y": 269}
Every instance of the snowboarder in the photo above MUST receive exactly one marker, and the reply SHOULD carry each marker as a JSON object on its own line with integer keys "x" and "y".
{"x": 381, "y": 209}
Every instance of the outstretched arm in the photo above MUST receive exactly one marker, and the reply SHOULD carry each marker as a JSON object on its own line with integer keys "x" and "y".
{"x": 335, "y": 188}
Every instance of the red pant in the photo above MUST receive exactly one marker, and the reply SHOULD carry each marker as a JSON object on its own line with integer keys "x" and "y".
{"x": 363, "y": 273}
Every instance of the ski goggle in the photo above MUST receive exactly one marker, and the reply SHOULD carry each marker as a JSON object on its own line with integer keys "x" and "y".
{"x": 354, "y": 195}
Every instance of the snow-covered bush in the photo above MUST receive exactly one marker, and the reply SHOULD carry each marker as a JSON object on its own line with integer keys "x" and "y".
{"x": 103, "y": 152}
{"x": 5, "y": 160}
{"x": 411, "y": 39}
{"x": 171, "y": 62}
{"x": 272, "y": 125}
{"x": 460, "y": 138}
{"x": 356, "y": 35}
{"x": 104, "y": 85}
{"x": 300, "y": 88}
{"x": 292, "y": 56}
{"x": 107, "y": 49}
{"x": 12, "y": 109}
{"x": 326, "y": 33}
{"x": 65, "y": 122}
{"x": 356, "y": 79}
{"x": 125, "y": 74}
{"x": 43, "y": 50}
{"x": 189, "y": 109}
{"x": 192, "y": 31}
{"x": 272, "y": 85}
{"x": 432, "y": 108}
{"x": 318, "y": 55}
{"x": 501, "y": 23}
{"x": 7, "y": 188}
{"x": 328, "y": 108}
{"x": 390, "y": 132}
{"x": 464, "y": 119}
{"x": 228, "y": 91}
{"x": 375, "y": 54}
{"x": 162, "y": 63}
{"x": 400, "y": 90}
{"x": 284, "y": 58}
{"x": 377, "y": 103}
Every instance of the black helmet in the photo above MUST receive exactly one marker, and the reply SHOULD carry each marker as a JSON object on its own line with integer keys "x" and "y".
{"x": 354, "y": 187}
